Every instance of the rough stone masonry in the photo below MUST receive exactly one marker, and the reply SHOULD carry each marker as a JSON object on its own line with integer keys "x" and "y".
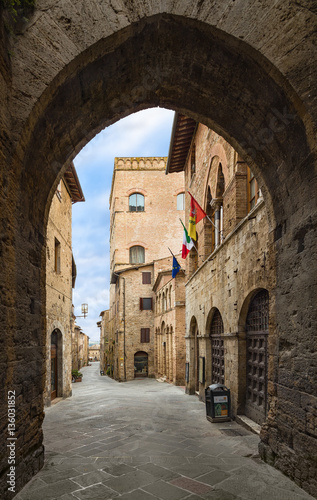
{"x": 248, "y": 71}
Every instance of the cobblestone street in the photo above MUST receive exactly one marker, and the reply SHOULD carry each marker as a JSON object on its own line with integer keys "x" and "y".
{"x": 143, "y": 440}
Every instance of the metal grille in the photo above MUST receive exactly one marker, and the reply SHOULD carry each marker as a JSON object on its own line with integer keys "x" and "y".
{"x": 217, "y": 350}
{"x": 256, "y": 342}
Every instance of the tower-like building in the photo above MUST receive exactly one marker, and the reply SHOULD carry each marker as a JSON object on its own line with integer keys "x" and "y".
{"x": 145, "y": 208}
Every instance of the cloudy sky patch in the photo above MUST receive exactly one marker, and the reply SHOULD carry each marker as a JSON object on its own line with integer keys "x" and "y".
{"x": 146, "y": 133}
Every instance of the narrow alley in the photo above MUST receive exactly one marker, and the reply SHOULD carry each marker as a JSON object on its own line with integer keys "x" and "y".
{"x": 143, "y": 440}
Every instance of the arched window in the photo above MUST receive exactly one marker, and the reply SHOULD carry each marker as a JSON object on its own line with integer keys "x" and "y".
{"x": 181, "y": 201}
{"x": 253, "y": 190}
{"x": 136, "y": 202}
{"x": 193, "y": 161}
{"x": 137, "y": 255}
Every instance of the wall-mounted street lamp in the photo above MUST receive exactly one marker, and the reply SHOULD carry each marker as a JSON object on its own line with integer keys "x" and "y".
{"x": 84, "y": 310}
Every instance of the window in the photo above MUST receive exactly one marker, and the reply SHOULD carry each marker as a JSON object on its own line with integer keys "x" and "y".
{"x": 137, "y": 255}
{"x": 59, "y": 190}
{"x": 57, "y": 260}
{"x": 136, "y": 202}
{"x": 146, "y": 304}
{"x": 253, "y": 190}
{"x": 193, "y": 161}
{"x": 145, "y": 335}
{"x": 181, "y": 201}
{"x": 146, "y": 278}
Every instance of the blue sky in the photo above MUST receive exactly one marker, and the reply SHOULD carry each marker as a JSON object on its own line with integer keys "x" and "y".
{"x": 146, "y": 133}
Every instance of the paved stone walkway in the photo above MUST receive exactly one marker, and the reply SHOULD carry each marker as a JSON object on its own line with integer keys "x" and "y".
{"x": 144, "y": 440}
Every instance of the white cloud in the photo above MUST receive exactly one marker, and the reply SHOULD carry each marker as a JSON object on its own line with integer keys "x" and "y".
{"x": 146, "y": 133}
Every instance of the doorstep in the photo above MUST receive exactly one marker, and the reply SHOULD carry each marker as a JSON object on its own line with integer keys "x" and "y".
{"x": 248, "y": 424}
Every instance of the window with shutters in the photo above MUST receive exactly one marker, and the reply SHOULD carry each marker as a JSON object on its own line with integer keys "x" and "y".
{"x": 146, "y": 278}
{"x": 137, "y": 255}
{"x": 145, "y": 304}
{"x": 145, "y": 335}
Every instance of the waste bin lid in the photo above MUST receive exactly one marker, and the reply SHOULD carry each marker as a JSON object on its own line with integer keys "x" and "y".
{"x": 214, "y": 387}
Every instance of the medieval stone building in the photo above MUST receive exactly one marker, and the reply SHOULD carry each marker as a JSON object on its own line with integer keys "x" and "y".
{"x": 103, "y": 324}
{"x": 169, "y": 322}
{"x": 248, "y": 70}
{"x": 229, "y": 272}
{"x": 94, "y": 352}
{"x": 80, "y": 346}
{"x": 60, "y": 279}
{"x": 139, "y": 201}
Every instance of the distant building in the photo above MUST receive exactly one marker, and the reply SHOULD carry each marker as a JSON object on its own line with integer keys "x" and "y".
{"x": 94, "y": 352}
{"x": 142, "y": 198}
{"x": 60, "y": 279}
{"x": 80, "y": 345}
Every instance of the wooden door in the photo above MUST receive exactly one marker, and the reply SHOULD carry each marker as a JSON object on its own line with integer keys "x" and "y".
{"x": 53, "y": 371}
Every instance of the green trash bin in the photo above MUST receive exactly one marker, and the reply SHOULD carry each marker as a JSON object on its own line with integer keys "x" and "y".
{"x": 218, "y": 403}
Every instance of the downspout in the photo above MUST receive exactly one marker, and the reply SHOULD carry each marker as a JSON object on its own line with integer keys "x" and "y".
{"x": 124, "y": 363}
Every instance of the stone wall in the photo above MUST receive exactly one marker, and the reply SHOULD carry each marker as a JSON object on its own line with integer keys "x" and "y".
{"x": 59, "y": 292}
{"x": 70, "y": 75}
{"x": 169, "y": 323}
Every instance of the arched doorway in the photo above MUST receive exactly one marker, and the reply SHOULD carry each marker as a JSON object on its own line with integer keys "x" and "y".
{"x": 217, "y": 349}
{"x": 54, "y": 369}
{"x": 140, "y": 364}
{"x": 257, "y": 329}
{"x": 56, "y": 364}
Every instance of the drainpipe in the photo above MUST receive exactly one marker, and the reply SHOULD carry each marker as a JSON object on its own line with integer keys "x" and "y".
{"x": 124, "y": 364}
{"x": 217, "y": 226}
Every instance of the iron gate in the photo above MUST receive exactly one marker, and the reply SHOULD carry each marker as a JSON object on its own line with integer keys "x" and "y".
{"x": 257, "y": 329}
{"x": 217, "y": 349}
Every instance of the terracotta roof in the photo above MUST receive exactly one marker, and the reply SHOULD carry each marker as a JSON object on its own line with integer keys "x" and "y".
{"x": 73, "y": 184}
{"x": 181, "y": 138}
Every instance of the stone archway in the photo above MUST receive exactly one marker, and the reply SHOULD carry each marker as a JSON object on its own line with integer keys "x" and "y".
{"x": 57, "y": 96}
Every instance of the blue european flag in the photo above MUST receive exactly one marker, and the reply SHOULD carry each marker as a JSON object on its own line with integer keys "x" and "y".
{"x": 176, "y": 267}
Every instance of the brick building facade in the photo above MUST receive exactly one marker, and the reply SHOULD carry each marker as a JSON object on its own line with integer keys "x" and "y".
{"x": 80, "y": 344}
{"x": 60, "y": 279}
{"x": 103, "y": 324}
{"x": 169, "y": 322}
{"x": 139, "y": 201}
{"x": 229, "y": 277}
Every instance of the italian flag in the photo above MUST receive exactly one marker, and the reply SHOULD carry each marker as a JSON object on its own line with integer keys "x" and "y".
{"x": 187, "y": 243}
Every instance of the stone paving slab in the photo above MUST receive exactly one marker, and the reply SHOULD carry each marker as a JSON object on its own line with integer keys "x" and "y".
{"x": 143, "y": 440}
